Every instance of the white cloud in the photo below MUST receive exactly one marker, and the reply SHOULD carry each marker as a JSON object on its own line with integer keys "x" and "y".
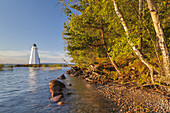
{"x": 23, "y": 56}
{"x": 14, "y": 53}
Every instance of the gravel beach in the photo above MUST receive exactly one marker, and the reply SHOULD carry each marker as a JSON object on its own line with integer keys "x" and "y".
{"x": 135, "y": 100}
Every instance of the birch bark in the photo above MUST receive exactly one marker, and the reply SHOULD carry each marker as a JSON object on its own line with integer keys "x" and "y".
{"x": 161, "y": 37}
{"x": 137, "y": 52}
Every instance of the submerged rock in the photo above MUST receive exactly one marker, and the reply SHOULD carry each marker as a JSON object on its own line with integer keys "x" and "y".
{"x": 62, "y": 77}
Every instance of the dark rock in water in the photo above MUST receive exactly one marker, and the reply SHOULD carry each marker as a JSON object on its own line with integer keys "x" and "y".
{"x": 53, "y": 94}
{"x": 55, "y": 88}
{"x": 62, "y": 77}
{"x": 55, "y": 83}
{"x": 68, "y": 72}
{"x": 56, "y": 98}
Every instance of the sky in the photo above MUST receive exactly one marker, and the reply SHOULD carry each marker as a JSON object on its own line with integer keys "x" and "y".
{"x": 25, "y": 22}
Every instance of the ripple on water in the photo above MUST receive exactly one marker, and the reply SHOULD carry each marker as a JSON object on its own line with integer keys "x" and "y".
{"x": 25, "y": 90}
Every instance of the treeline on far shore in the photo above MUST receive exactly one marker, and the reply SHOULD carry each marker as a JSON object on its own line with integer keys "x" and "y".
{"x": 34, "y": 65}
{"x": 41, "y": 65}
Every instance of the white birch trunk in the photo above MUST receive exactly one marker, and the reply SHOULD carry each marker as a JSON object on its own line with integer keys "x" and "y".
{"x": 161, "y": 37}
{"x": 137, "y": 52}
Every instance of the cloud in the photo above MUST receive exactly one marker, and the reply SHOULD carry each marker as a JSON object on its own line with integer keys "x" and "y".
{"x": 14, "y": 53}
{"x": 53, "y": 56}
{"x": 23, "y": 56}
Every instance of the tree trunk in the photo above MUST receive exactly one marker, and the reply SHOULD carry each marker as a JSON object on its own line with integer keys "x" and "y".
{"x": 140, "y": 22}
{"x": 137, "y": 52}
{"x": 161, "y": 37}
{"x": 105, "y": 47}
{"x": 155, "y": 48}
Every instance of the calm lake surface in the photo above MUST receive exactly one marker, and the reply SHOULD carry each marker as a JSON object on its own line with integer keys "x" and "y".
{"x": 26, "y": 90}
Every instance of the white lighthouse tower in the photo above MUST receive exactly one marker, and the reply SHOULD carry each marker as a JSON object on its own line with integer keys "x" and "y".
{"x": 34, "y": 57}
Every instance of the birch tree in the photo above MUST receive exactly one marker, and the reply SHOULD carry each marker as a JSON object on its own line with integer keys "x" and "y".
{"x": 137, "y": 52}
{"x": 161, "y": 37}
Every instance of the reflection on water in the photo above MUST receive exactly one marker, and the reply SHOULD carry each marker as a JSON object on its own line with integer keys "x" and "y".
{"x": 32, "y": 78}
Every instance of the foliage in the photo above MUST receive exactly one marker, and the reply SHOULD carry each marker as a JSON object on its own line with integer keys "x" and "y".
{"x": 84, "y": 43}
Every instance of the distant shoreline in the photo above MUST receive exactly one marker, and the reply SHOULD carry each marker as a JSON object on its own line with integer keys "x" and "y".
{"x": 42, "y": 65}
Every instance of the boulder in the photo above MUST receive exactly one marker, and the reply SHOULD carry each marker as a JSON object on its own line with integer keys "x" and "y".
{"x": 62, "y": 77}
{"x": 56, "y": 83}
{"x": 53, "y": 94}
{"x": 55, "y": 88}
{"x": 56, "y": 98}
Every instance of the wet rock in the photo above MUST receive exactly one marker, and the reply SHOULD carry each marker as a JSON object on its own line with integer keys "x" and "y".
{"x": 60, "y": 103}
{"x": 55, "y": 83}
{"x": 55, "y": 88}
{"x": 71, "y": 71}
{"x": 62, "y": 77}
{"x": 68, "y": 72}
{"x": 56, "y": 98}
{"x": 53, "y": 94}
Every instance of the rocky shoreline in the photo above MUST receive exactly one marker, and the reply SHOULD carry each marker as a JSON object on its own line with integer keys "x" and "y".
{"x": 128, "y": 97}
{"x": 134, "y": 99}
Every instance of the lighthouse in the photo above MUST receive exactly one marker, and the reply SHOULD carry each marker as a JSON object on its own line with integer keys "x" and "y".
{"x": 34, "y": 57}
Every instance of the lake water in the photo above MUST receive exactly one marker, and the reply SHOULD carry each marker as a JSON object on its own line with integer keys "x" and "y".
{"x": 26, "y": 90}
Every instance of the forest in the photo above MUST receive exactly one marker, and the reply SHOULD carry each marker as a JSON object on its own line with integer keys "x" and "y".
{"x": 127, "y": 40}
